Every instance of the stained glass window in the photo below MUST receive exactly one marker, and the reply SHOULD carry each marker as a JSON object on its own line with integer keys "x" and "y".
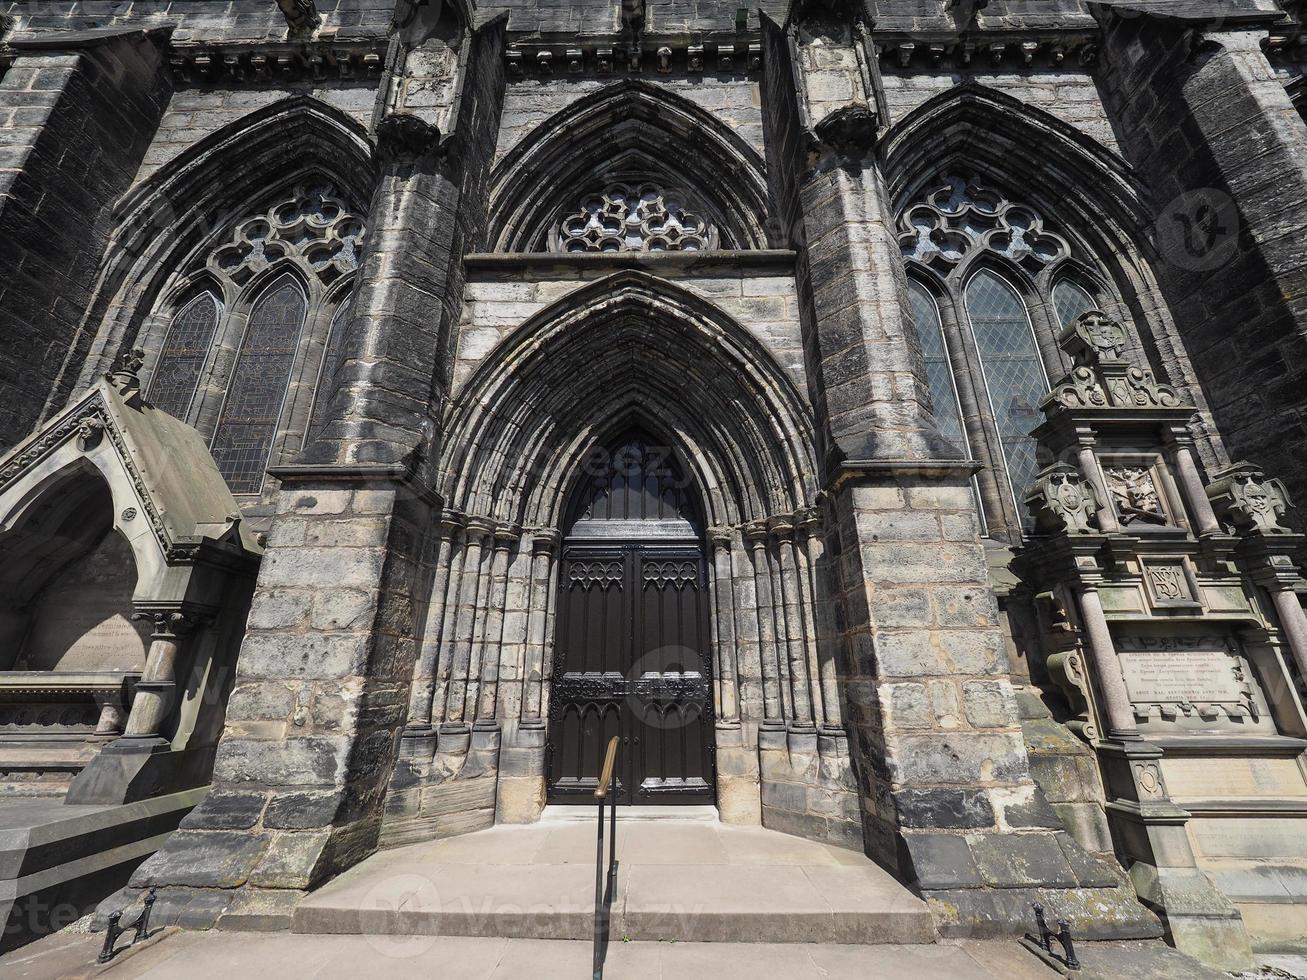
{"x": 939, "y": 375}
{"x": 1070, "y": 301}
{"x": 331, "y": 359}
{"x": 249, "y": 418}
{"x": 1014, "y": 374}
{"x": 178, "y": 372}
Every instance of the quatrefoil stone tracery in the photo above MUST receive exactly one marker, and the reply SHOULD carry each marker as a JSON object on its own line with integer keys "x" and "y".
{"x": 635, "y": 218}
{"x": 312, "y": 224}
{"x": 960, "y": 215}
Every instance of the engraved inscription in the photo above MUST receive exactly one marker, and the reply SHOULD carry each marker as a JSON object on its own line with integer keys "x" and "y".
{"x": 1180, "y": 676}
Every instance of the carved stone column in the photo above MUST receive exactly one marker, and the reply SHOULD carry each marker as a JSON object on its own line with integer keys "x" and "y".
{"x": 422, "y": 693}
{"x": 755, "y": 536}
{"x": 506, "y": 538}
{"x": 1109, "y": 683}
{"x": 544, "y": 552}
{"x": 156, "y": 692}
{"x": 824, "y": 668}
{"x": 725, "y": 672}
{"x": 470, "y": 603}
{"x": 801, "y": 701}
{"x": 1191, "y": 485}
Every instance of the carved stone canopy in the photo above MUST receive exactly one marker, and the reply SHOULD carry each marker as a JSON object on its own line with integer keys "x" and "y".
{"x": 1246, "y": 500}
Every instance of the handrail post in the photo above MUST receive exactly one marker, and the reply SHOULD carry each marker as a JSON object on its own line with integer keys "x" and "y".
{"x": 605, "y": 791}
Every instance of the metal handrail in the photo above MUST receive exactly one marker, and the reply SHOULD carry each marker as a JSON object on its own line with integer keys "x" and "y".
{"x": 605, "y": 792}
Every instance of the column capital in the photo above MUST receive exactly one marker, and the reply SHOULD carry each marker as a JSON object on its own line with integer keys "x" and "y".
{"x": 545, "y": 539}
{"x": 755, "y": 532}
{"x": 780, "y": 526}
{"x": 719, "y": 536}
{"x": 170, "y": 623}
{"x": 480, "y": 527}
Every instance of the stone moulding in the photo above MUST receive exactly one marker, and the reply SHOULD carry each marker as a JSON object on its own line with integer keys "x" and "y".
{"x": 1060, "y": 49}
{"x": 319, "y": 61}
{"x": 653, "y": 56}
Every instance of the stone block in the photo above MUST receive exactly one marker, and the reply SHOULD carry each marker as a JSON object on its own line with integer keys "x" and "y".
{"x": 291, "y": 860}
{"x": 944, "y": 809}
{"x": 203, "y": 859}
{"x": 301, "y": 810}
{"x": 225, "y": 810}
{"x": 1015, "y": 860}
{"x": 938, "y": 861}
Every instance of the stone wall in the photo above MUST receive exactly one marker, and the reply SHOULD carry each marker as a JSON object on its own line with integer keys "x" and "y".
{"x": 77, "y": 117}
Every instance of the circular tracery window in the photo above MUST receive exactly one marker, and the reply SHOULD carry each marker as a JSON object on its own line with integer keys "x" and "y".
{"x": 635, "y": 218}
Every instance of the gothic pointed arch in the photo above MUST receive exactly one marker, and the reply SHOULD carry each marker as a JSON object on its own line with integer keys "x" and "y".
{"x": 168, "y": 219}
{"x": 628, "y": 349}
{"x": 638, "y": 135}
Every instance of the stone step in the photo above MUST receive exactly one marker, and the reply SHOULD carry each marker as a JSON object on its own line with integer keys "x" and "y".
{"x": 684, "y": 881}
{"x": 586, "y": 813}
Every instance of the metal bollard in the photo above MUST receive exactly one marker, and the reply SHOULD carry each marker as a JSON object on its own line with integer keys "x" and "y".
{"x": 143, "y": 923}
{"x": 1044, "y": 931}
{"x": 111, "y": 934}
{"x": 1063, "y": 936}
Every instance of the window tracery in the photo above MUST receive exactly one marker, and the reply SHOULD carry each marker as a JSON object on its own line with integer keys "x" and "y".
{"x": 999, "y": 294}
{"x": 313, "y": 225}
{"x": 630, "y": 217}
{"x": 190, "y": 337}
{"x": 271, "y": 320}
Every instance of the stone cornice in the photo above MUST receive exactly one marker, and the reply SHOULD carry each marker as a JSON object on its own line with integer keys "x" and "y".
{"x": 655, "y": 55}
{"x": 319, "y": 60}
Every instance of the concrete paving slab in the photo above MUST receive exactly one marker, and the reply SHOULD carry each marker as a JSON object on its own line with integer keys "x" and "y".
{"x": 223, "y": 955}
{"x": 684, "y": 881}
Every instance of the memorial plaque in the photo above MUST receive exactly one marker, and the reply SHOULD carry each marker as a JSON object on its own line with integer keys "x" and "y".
{"x": 1171, "y": 676}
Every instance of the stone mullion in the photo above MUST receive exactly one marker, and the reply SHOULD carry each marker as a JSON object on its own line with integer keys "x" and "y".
{"x": 807, "y": 552}
{"x": 724, "y": 667}
{"x": 801, "y": 702}
{"x": 465, "y": 628}
{"x": 493, "y": 647}
{"x": 422, "y": 693}
{"x": 755, "y": 534}
{"x": 477, "y": 638}
{"x": 544, "y": 545}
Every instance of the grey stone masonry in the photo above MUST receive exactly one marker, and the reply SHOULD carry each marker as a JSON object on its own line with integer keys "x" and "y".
{"x": 323, "y": 684}
{"x": 948, "y": 799}
{"x": 1202, "y": 116}
{"x": 77, "y": 112}
{"x": 313, "y": 721}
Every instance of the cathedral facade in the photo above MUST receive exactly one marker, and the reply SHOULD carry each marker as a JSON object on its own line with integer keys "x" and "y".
{"x": 880, "y": 416}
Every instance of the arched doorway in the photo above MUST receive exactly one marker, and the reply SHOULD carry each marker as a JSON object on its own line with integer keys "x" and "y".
{"x": 631, "y": 656}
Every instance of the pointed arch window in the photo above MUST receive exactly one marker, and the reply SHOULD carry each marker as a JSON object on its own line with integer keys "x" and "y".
{"x": 1069, "y": 300}
{"x": 261, "y": 306}
{"x": 1014, "y": 375}
{"x": 331, "y": 359}
{"x": 249, "y": 418}
{"x": 939, "y": 376}
{"x": 992, "y": 284}
{"x": 186, "y": 348}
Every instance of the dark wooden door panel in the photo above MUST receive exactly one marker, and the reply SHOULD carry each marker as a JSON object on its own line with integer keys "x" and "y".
{"x": 631, "y": 653}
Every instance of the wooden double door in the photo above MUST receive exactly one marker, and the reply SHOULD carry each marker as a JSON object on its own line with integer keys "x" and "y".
{"x": 632, "y": 660}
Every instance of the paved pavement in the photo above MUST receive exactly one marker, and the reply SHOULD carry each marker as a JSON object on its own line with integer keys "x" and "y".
{"x": 283, "y": 956}
{"x": 682, "y": 880}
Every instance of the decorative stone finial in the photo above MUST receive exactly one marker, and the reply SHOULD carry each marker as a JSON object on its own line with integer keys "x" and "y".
{"x": 301, "y": 15}
{"x": 1246, "y": 500}
{"x": 123, "y": 375}
{"x": 1102, "y": 378}
{"x": 1061, "y": 501}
